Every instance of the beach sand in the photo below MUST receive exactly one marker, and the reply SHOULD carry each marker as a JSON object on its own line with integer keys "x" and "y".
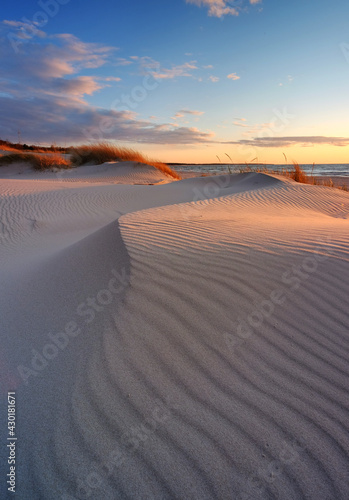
{"x": 175, "y": 339}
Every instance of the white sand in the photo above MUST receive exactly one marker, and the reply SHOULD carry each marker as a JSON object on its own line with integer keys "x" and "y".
{"x": 215, "y": 364}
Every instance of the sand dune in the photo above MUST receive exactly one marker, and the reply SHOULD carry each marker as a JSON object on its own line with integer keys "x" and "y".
{"x": 195, "y": 334}
{"x": 110, "y": 173}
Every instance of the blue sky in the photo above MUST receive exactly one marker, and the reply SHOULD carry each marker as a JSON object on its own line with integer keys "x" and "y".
{"x": 183, "y": 80}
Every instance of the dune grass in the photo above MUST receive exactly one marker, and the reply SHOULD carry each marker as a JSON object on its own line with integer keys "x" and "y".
{"x": 95, "y": 154}
{"x": 5, "y": 147}
{"x": 37, "y": 161}
{"x": 103, "y": 152}
{"x": 299, "y": 175}
{"x": 296, "y": 173}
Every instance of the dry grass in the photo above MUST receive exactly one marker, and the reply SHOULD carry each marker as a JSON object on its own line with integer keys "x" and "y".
{"x": 297, "y": 174}
{"x": 38, "y": 162}
{"x": 95, "y": 154}
{"x": 48, "y": 161}
{"x": 16, "y": 158}
{"x": 5, "y": 147}
{"x": 103, "y": 152}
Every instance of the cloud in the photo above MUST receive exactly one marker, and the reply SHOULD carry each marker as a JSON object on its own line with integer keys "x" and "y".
{"x": 80, "y": 86}
{"x": 121, "y": 61}
{"x": 51, "y": 57}
{"x": 217, "y": 8}
{"x": 233, "y": 76}
{"x": 304, "y": 141}
{"x": 24, "y": 31}
{"x": 43, "y": 89}
{"x": 46, "y": 120}
{"x": 254, "y": 129}
{"x": 240, "y": 124}
{"x": 213, "y": 79}
{"x": 149, "y": 66}
{"x": 112, "y": 79}
{"x": 183, "y": 112}
{"x": 191, "y": 112}
{"x": 175, "y": 71}
{"x": 220, "y": 8}
{"x": 290, "y": 79}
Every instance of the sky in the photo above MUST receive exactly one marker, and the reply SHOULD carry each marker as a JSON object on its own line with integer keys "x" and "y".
{"x": 180, "y": 80}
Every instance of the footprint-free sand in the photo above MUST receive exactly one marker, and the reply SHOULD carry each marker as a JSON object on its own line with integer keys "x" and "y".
{"x": 169, "y": 339}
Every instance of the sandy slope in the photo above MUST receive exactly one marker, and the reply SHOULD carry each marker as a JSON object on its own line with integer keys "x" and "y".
{"x": 201, "y": 332}
{"x": 127, "y": 172}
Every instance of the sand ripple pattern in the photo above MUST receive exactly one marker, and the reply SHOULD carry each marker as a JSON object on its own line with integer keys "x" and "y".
{"x": 191, "y": 403}
{"x": 270, "y": 410}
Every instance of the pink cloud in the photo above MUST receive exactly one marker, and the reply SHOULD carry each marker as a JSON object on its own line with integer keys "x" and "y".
{"x": 221, "y": 8}
{"x": 217, "y": 8}
{"x": 233, "y": 76}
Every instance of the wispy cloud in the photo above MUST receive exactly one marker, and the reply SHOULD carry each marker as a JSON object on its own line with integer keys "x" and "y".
{"x": 191, "y": 112}
{"x": 213, "y": 79}
{"x": 175, "y": 71}
{"x": 216, "y": 8}
{"x": 112, "y": 79}
{"x": 221, "y": 8}
{"x": 183, "y": 112}
{"x": 233, "y": 76}
{"x": 24, "y": 31}
{"x": 290, "y": 79}
{"x": 121, "y": 61}
{"x": 151, "y": 67}
{"x": 305, "y": 141}
{"x": 240, "y": 124}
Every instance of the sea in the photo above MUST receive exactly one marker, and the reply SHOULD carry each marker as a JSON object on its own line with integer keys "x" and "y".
{"x": 326, "y": 170}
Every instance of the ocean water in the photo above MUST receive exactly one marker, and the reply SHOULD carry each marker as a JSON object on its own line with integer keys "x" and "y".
{"x": 329, "y": 170}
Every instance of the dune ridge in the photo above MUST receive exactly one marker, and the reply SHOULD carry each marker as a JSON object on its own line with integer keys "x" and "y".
{"x": 220, "y": 370}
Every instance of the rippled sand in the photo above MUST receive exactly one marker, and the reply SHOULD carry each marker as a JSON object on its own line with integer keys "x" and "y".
{"x": 184, "y": 340}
